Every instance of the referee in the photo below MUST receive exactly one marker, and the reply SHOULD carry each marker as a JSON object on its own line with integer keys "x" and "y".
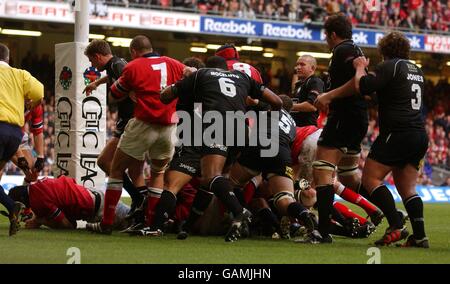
{"x": 16, "y": 88}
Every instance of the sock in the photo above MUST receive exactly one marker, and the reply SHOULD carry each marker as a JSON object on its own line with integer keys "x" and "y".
{"x": 414, "y": 207}
{"x": 296, "y": 210}
{"x": 164, "y": 209}
{"x": 154, "y": 195}
{"x": 348, "y": 213}
{"x": 382, "y": 198}
{"x": 355, "y": 198}
{"x": 268, "y": 219}
{"x": 223, "y": 189}
{"x": 325, "y": 198}
{"x": 112, "y": 197}
{"x": 337, "y": 216}
{"x": 363, "y": 192}
{"x": 5, "y": 200}
{"x": 201, "y": 202}
{"x": 249, "y": 191}
{"x": 240, "y": 196}
{"x": 131, "y": 189}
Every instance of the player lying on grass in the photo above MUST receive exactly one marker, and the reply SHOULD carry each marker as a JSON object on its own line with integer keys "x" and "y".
{"x": 58, "y": 203}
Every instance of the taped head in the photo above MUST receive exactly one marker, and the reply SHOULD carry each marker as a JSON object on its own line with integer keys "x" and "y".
{"x": 228, "y": 51}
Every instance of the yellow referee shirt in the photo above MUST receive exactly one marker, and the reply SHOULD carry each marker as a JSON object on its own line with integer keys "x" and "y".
{"x": 16, "y": 85}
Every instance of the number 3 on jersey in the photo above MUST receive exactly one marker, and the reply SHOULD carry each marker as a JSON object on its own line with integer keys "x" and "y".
{"x": 163, "y": 68}
{"x": 417, "y": 101}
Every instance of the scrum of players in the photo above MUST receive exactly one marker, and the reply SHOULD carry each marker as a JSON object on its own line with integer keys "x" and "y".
{"x": 236, "y": 190}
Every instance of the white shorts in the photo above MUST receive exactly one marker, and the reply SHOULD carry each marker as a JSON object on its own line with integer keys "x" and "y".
{"x": 308, "y": 154}
{"x": 140, "y": 138}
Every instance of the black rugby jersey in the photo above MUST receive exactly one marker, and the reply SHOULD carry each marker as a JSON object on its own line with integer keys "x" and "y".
{"x": 399, "y": 85}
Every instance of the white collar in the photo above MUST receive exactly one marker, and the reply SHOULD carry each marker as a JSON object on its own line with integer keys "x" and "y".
{"x": 4, "y": 63}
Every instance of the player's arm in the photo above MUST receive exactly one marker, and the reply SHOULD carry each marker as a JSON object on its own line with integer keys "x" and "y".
{"x": 58, "y": 220}
{"x": 368, "y": 84}
{"x": 184, "y": 87}
{"x": 93, "y": 86}
{"x": 260, "y": 92}
{"x": 122, "y": 86}
{"x": 169, "y": 94}
{"x": 304, "y": 107}
{"x": 64, "y": 224}
{"x": 272, "y": 99}
{"x": 315, "y": 87}
{"x": 37, "y": 128}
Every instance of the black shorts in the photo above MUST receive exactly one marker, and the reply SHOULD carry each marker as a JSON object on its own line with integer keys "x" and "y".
{"x": 187, "y": 161}
{"x": 120, "y": 126}
{"x": 279, "y": 165}
{"x": 10, "y": 139}
{"x": 345, "y": 132}
{"x": 400, "y": 148}
{"x": 231, "y": 153}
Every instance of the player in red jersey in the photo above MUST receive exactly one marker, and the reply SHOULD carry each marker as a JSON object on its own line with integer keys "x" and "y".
{"x": 151, "y": 130}
{"x": 58, "y": 203}
{"x": 24, "y": 156}
{"x": 231, "y": 55}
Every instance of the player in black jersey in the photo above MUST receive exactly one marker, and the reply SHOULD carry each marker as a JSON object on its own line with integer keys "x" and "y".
{"x": 220, "y": 91}
{"x": 402, "y": 143}
{"x": 307, "y": 88}
{"x": 277, "y": 169}
{"x": 339, "y": 144}
{"x": 101, "y": 57}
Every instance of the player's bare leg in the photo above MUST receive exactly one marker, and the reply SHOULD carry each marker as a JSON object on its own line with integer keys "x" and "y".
{"x": 132, "y": 186}
{"x": 372, "y": 179}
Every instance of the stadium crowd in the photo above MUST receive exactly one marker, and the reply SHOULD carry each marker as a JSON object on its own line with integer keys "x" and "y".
{"x": 410, "y": 14}
{"x": 436, "y": 111}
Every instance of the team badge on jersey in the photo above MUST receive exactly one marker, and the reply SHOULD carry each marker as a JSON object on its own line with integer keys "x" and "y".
{"x": 65, "y": 78}
{"x": 90, "y": 75}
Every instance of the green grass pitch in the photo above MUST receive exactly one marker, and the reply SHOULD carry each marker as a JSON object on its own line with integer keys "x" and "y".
{"x": 49, "y": 246}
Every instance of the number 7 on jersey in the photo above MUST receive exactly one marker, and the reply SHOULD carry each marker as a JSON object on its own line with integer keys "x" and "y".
{"x": 163, "y": 68}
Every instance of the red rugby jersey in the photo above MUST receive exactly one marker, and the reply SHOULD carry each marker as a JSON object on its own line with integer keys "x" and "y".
{"x": 147, "y": 76}
{"x": 60, "y": 197}
{"x": 36, "y": 118}
{"x": 300, "y": 136}
{"x": 246, "y": 68}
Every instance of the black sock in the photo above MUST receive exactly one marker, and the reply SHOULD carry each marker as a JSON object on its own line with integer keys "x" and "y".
{"x": 223, "y": 189}
{"x": 164, "y": 209}
{"x": 414, "y": 207}
{"x": 296, "y": 210}
{"x": 240, "y": 196}
{"x": 383, "y": 199}
{"x": 325, "y": 198}
{"x": 337, "y": 216}
{"x": 363, "y": 192}
{"x": 6, "y": 200}
{"x": 131, "y": 189}
{"x": 268, "y": 218}
{"x": 201, "y": 202}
